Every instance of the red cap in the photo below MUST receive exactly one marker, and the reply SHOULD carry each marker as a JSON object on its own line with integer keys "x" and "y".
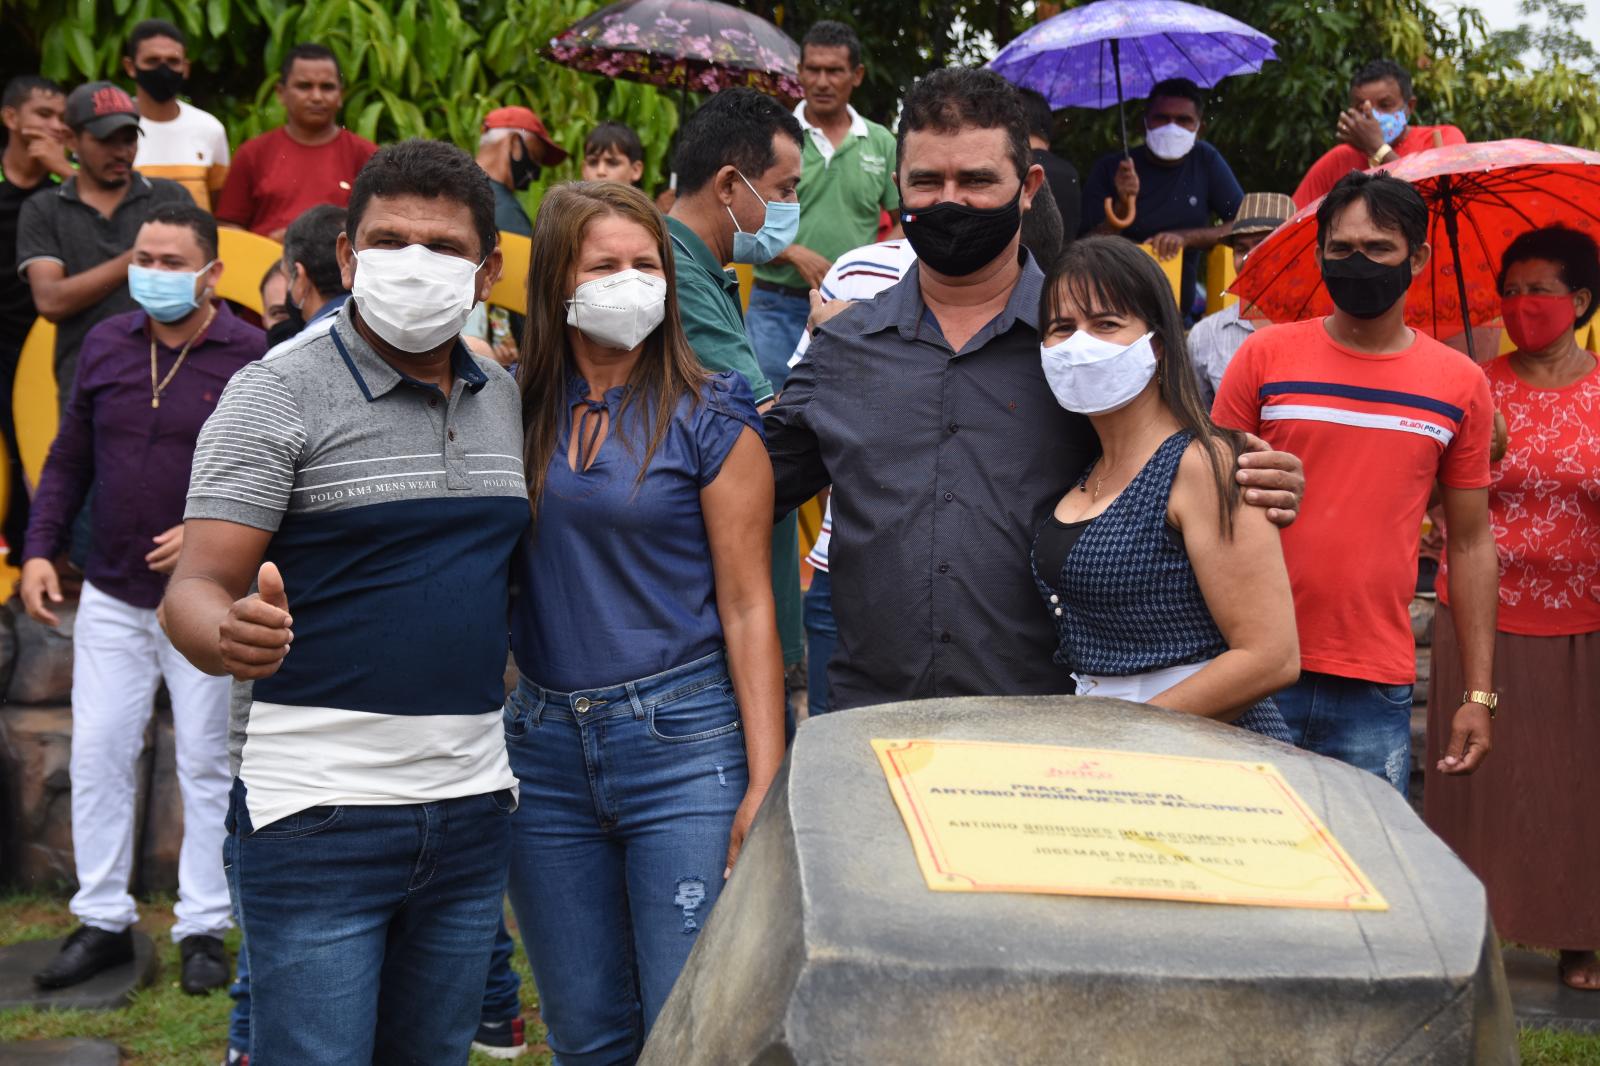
{"x": 522, "y": 118}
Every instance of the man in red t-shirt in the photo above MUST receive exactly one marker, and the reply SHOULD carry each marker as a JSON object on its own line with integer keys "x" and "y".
{"x": 307, "y": 161}
{"x": 1378, "y": 413}
{"x": 1374, "y": 131}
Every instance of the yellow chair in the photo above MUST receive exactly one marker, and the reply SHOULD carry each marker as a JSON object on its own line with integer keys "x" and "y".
{"x": 511, "y": 291}
{"x": 1173, "y": 268}
{"x": 1220, "y": 272}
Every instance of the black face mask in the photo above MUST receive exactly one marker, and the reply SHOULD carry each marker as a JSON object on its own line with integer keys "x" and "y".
{"x": 1363, "y": 288}
{"x": 162, "y": 83}
{"x": 287, "y": 328}
{"x": 524, "y": 171}
{"x": 957, "y": 240}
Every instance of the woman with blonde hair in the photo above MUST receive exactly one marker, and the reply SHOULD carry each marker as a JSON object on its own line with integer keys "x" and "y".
{"x": 648, "y": 720}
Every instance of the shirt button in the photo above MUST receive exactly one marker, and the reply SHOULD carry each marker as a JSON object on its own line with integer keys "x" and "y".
{"x": 944, "y": 568}
{"x": 451, "y": 434}
{"x": 433, "y": 401}
{"x": 949, "y": 496}
{"x": 1058, "y": 612}
{"x": 944, "y": 638}
{"x": 1055, "y": 599}
{"x": 954, "y": 427}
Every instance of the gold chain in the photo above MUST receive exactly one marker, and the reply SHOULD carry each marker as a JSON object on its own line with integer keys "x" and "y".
{"x": 155, "y": 388}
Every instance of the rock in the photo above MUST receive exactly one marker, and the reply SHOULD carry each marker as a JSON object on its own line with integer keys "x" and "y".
{"x": 162, "y": 820}
{"x": 36, "y": 748}
{"x": 1422, "y": 608}
{"x": 107, "y": 990}
{"x": 43, "y": 664}
{"x": 827, "y": 947}
{"x": 60, "y": 1053}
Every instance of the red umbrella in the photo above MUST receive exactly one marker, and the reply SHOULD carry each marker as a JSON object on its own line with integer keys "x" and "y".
{"x": 1480, "y": 197}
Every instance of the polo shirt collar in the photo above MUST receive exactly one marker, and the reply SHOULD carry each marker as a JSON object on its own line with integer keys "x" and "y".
{"x": 373, "y": 374}
{"x": 139, "y": 187}
{"x": 858, "y": 125}
{"x": 902, "y": 307}
{"x": 699, "y": 251}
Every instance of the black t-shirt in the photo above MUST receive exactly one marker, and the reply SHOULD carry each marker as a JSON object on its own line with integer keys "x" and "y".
{"x": 1062, "y": 178}
{"x": 16, "y": 299}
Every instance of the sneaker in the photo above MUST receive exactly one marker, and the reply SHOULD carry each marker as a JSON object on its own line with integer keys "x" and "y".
{"x": 501, "y": 1040}
{"x": 205, "y": 964}
{"x": 86, "y": 952}
{"x": 236, "y": 1057}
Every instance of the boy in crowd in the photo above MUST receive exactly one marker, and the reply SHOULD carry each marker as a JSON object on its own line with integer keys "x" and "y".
{"x": 613, "y": 152}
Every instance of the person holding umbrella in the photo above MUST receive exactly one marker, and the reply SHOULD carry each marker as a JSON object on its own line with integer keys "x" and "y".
{"x": 1547, "y": 642}
{"x": 1176, "y": 182}
{"x": 1379, "y": 412}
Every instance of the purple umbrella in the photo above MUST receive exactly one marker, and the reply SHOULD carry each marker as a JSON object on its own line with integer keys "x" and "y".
{"x": 1091, "y": 56}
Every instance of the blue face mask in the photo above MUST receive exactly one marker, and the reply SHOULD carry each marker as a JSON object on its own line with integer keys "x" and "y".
{"x": 166, "y": 295}
{"x": 776, "y": 233}
{"x": 1392, "y": 123}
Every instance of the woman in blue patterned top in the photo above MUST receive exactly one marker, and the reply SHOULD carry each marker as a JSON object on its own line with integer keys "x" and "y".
{"x": 1162, "y": 587}
{"x": 648, "y": 721}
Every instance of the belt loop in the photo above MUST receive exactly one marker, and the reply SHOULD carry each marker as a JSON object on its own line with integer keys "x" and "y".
{"x": 633, "y": 697}
{"x": 536, "y": 713}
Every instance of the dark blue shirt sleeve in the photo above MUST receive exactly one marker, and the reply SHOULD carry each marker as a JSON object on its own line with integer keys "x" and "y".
{"x": 1096, "y": 187}
{"x": 1224, "y": 192}
{"x": 729, "y": 406}
{"x": 69, "y": 466}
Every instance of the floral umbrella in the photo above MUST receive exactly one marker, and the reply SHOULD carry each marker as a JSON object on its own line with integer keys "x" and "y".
{"x": 688, "y": 44}
{"x": 1480, "y": 198}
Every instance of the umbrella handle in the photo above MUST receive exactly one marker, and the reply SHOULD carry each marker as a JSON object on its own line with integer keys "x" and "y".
{"x": 1120, "y": 221}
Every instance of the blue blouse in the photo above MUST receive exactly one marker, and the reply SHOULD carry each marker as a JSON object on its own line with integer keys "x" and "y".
{"x": 615, "y": 581}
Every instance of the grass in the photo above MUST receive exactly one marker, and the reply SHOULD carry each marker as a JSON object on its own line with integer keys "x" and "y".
{"x": 162, "y": 1026}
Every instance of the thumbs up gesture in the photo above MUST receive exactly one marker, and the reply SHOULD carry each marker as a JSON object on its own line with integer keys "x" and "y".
{"x": 256, "y": 635}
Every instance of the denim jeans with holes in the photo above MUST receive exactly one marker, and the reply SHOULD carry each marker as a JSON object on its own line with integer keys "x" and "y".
{"x": 619, "y": 844}
{"x": 1362, "y": 723}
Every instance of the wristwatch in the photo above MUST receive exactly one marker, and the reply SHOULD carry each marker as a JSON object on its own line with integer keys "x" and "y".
{"x": 1488, "y": 699}
{"x": 1382, "y": 155}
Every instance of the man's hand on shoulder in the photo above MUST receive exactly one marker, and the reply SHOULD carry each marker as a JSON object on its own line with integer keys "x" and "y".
{"x": 824, "y": 310}
{"x": 1272, "y": 480}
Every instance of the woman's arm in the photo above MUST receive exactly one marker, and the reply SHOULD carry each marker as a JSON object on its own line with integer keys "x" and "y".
{"x": 738, "y": 513}
{"x": 1246, "y": 586}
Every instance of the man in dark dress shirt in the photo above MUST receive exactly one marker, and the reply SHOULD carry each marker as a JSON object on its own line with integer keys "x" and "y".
{"x": 1060, "y": 176}
{"x": 147, "y": 381}
{"x": 928, "y": 410}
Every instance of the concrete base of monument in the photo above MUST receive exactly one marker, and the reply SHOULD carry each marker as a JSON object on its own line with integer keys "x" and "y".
{"x": 107, "y": 990}
{"x": 60, "y": 1053}
{"x": 827, "y": 946}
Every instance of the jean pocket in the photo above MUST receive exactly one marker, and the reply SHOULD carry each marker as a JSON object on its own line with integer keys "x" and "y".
{"x": 702, "y": 714}
{"x": 1394, "y": 695}
{"x": 514, "y": 720}
{"x": 309, "y": 822}
{"x": 502, "y": 800}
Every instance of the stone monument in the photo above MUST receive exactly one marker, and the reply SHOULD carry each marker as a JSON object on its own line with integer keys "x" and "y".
{"x": 827, "y": 946}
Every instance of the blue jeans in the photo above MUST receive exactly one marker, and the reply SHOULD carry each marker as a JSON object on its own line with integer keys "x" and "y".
{"x": 239, "y": 991}
{"x": 774, "y": 322}
{"x": 370, "y": 928}
{"x": 502, "y": 993}
{"x": 822, "y": 636}
{"x": 1362, "y": 723}
{"x": 628, "y": 797}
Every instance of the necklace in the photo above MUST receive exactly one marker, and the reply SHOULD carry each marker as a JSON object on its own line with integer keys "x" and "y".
{"x": 155, "y": 388}
{"x": 1099, "y": 481}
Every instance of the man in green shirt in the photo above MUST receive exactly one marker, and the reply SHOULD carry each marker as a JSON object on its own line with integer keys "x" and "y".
{"x": 847, "y": 181}
{"x": 739, "y": 152}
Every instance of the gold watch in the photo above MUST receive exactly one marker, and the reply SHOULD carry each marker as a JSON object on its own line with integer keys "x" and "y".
{"x": 1488, "y": 699}
{"x": 1381, "y": 156}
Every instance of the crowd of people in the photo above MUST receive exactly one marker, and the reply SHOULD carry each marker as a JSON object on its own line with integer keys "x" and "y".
{"x": 1045, "y": 471}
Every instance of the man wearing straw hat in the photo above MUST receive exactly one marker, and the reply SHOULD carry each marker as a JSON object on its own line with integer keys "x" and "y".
{"x": 1215, "y": 338}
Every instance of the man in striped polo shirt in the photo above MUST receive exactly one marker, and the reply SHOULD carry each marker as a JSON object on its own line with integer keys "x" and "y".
{"x": 1378, "y": 412}
{"x": 370, "y": 481}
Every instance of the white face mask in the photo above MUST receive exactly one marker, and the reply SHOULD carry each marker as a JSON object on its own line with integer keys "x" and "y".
{"x": 1170, "y": 142}
{"x": 1092, "y": 376}
{"x": 619, "y": 310}
{"x": 413, "y": 297}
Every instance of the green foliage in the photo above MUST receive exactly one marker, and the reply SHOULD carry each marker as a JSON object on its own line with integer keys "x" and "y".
{"x": 1272, "y": 126}
{"x": 413, "y": 68}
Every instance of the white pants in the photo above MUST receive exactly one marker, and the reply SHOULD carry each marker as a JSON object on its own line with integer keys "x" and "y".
{"x": 1137, "y": 688}
{"x": 120, "y": 656}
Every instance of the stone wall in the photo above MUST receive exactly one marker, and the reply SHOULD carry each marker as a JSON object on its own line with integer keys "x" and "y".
{"x": 35, "y": 758}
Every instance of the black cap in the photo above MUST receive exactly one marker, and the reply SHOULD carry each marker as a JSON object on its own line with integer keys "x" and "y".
{"x": 100, "y": 108}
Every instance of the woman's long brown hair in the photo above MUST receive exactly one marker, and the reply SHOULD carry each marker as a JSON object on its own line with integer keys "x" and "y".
{"x": 667, "y": 370}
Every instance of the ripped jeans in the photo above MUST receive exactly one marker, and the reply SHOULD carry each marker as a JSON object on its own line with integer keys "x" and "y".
{"x": 1363, "y": 723}
{"x": 618, "y": 844}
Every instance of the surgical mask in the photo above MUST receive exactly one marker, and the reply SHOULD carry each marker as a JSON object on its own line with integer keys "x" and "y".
{"x": 1091, "y": 377}
{"x": 619, "y": 310}
{"x": 413, "y": 297}
{"x": 524, "y": 171}
{"x": 777, "y": 232}
{"x": 1535, "y": 321}
{"x": 161, "y": 83}
{"x": 166, "y": 295}
{"x": 957, "y": 240}
{"x": 1170, "y": 142}
{"x": 1392, "y": 123}
{"x": 1363, "y": 288}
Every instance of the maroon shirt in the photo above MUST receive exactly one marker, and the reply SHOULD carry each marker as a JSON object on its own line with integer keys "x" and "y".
{"x": 135, "y": 456}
